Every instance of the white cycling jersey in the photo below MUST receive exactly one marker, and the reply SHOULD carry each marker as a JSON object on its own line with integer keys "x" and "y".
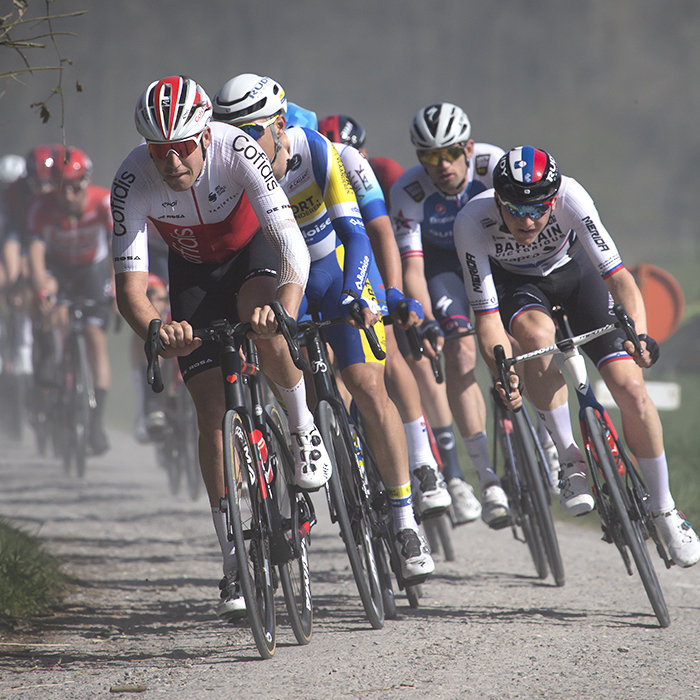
{"x": 421, "y": 213}
{"x": 235, "y": 195}
{"x": 481, "y": 236}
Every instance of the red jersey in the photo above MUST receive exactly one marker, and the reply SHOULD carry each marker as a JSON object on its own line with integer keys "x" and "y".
{"x": 70, "y": 239}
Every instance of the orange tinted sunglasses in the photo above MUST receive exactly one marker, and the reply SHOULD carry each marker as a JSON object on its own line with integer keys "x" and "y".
{"x": 182, "y": 149}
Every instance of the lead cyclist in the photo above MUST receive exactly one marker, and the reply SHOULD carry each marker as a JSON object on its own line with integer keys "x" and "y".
{"x": 234, "y": 247}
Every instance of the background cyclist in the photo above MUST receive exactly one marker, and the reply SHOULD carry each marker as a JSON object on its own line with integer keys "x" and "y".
{"x": 537, "y": 240}
{"x": 68, "y": 251}
{"x": 312, "y": 174}
{"x": 425, "y": 201}
{"x": 234, "y": 247}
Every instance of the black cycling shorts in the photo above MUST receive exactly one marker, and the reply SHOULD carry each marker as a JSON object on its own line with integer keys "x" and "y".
{"x": 92, "y": 282}
{"x": 577, "y": 287}
{"x": 202, "y": 293}
{"x": 449, "y": 300}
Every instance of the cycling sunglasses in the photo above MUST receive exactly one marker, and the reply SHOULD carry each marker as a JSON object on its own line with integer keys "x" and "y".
{"x": 255, "y": 130}
{"x": 437, "y": 155}
{"x": 533, "y": 211}
{"x": 182, "y": 149}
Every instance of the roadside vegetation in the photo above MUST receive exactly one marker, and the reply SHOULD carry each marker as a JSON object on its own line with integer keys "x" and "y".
{"x": 30, "y": 578}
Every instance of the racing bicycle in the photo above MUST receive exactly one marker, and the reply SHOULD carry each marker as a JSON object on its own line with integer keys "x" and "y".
{"x": 268, "y": 517}
{"x": 621, "y": 496}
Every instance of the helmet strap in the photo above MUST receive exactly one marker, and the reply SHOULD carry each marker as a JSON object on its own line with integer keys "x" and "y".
{"x": 278, "y": 143}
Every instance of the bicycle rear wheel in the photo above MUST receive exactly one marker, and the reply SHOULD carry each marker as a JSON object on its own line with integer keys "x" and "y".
{"x": 622, "y": 508}
{"x": 250, "y": 534}
{"x": 541, "y": 515}
{"x": 439, "y": 533}
{"x": 294, "y": 575}
{"x": 349, "y": 511}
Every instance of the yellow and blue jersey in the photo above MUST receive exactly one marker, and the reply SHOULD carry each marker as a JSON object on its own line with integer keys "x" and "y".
{"x": 326, "y": 210}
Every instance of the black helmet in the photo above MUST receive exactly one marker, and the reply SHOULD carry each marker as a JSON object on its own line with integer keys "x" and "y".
{"x": 341, "y": 129}
{"x": 526, "y": 175}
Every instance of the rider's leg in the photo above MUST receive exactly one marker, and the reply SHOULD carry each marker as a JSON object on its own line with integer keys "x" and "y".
{"x": 313, "y": 465}
{"x": 546, "y": 388}
{"x": 98, "y": 357}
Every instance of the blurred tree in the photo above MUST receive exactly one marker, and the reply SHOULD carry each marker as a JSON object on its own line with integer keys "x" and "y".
{"x": 26, "y": 28}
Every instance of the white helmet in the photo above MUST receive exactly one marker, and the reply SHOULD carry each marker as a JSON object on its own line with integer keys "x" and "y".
{"x": 172, "y": 109}
{"x": 440, "y": 125}
{"x": 12, "y": 168}
{"x": 248, "y": 97}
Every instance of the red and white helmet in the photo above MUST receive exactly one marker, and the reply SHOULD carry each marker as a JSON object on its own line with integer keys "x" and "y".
{"x": 172, "y": 109}
{"x": 70, "y": 164}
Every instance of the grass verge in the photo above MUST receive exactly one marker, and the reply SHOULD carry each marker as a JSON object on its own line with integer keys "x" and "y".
{"x": 30, "y": 578}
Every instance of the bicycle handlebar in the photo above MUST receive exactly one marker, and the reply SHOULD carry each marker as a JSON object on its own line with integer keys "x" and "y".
{"x": 569, "y": 344}
{"x": 415, "y": 343}
{"x": 153, "y": 347}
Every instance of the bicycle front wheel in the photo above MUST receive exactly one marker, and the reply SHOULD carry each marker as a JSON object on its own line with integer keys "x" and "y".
{"x": 294, "y": 574}
{"x": 541, "y": 515}
{"x": 350, "y": 513}
{"x": 439, "y": 533}
{"x": 250, "y": 534}
{"x": 622, "y": 508}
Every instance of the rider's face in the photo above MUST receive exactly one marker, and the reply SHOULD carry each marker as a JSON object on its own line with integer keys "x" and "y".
{"x": 268, "y": 144}
{"x": 72, "y": 196}
{"x": 180, "y": 172}
{"x": 451, "y": 177}
{"x": 525, "y": 229}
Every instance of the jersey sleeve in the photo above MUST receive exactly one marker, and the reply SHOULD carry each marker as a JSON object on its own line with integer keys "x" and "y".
{"x": 343, "y": 211}
{"x": 589, "y": 228}
{"x": 406, "y": 218}
{"x": 275, "y": 215}
{"x": 129, "y": 217}
{"x": 364, "y": 182}
{"x": 472, "y": 249}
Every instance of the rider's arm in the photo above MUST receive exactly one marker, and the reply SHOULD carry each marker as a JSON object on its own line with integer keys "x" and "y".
{"x": 136, "y": 308}
{"x": 36, "y": 256}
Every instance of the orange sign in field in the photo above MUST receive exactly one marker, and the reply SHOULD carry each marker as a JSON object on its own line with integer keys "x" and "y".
{"x": 663, "y": 298}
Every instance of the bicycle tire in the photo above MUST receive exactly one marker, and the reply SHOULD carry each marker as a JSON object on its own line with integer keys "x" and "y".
{"x": 354, "y": 528}
{"x": 388, "y": 596}
{"x": 521, "y": 505}
{"x": 414, "y": 593}
{"x": 295, "y": 576}
{"x": 82, "y": 388}
{"x": 542, "y": 514}
{"x": 617, "y": 493}
{"x": 439, "y": 533}
{"x": 190, "y": 450}
{"x": 250, "y": 537}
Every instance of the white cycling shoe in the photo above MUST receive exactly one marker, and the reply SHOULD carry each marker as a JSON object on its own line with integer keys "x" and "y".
{"x": 231, "y": 605}
{"x": 679, "y": 537}
{"x": 414, "y": 555}
{"x": 574, "y": 494}
{"x": 465, "y": 505}
{"x": 312, "y": 465}
{"x": 430, "y": 491}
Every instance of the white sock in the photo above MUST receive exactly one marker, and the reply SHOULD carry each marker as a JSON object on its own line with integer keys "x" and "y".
{"x": 478, "y": 449}
{"x": 298, "y": 414}
{"x": 402, "y": 507}
{"x": 655, "y": 473}
{"x": 419, "y": 451}
{"x": 558, "y": 425}
{"x": 228, "y": 549}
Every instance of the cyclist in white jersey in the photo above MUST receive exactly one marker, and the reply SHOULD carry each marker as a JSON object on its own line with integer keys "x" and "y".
{"x": 312, "y": 174}
{"x": 424, "y": 203}
{"x": 234, "y": 245}
{"x": 537, "y": 240}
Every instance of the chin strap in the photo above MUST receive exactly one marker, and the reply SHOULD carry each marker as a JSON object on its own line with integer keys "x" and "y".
{"x": 278, "y": 144}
